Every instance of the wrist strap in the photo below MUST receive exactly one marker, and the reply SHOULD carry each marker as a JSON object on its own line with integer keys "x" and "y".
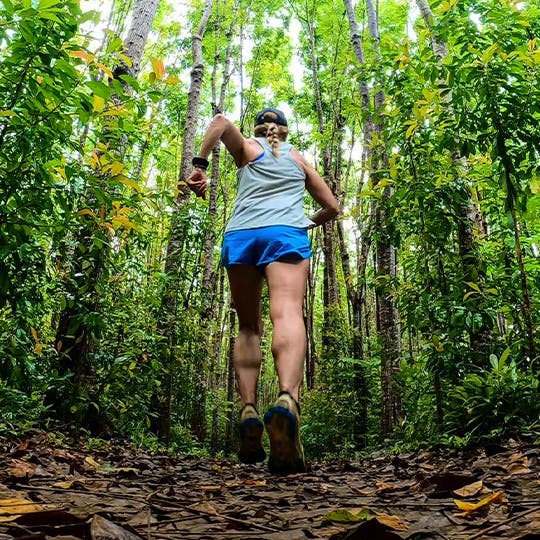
{"x": 200, "y": 162}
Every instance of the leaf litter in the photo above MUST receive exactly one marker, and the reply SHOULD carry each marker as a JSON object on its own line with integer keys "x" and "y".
{"x": 115, "y": 492}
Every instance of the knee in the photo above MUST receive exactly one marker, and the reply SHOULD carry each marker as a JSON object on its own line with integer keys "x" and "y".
{"x": 251, "y": 330}
{"x": 286, "y": 313}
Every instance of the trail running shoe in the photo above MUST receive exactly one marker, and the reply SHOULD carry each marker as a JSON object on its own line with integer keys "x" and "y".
{"x": 282, "y": 424}
{"x": 251, "y": 431}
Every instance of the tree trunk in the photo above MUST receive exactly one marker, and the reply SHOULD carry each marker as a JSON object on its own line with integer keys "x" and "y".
{"x": 387, "y": 316}
{"x": 175, "y": 246}
{"x": 330, "y": 285}
{"x": 209, "y": 282}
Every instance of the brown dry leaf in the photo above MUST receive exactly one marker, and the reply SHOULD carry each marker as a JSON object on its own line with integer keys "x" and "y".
{"x": 126, "y": 470}
{"x": 251, "y": 482}
{"x": 234, "y": 483}
{"x": 518, "y": 468}
{"x": 11, "y": 509}
{"x": 211, "y": 489}
{"x": 333, "y": 530}
{"x": 385, "y": 487}
{"x": 468, "y": 508}
{"x": 68, "y": 484}
{"x": 103, "y": 529}
{"x": 205, "y": 508}
{"x": 470, "y": 490}
{"x": 517, "y": 457}
{"x": 363, "y": 492}
{"x": 427, "y": 466}
{"x": 394, "y": 522}
{"x": 20, "y": 467}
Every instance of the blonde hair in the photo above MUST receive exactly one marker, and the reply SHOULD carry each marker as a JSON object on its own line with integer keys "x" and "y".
{"x": 273, "y": 133}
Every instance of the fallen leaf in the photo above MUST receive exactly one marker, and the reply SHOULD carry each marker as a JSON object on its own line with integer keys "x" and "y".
{"x": 342, "y": 515}
{"x": 211, "y": 489}
{"x": 17, "y": 506}
{"x": 11, "y": 509}
{"x": 234, "y": 483}
{"x": 368, "y": 530}
{"x": 470, "y": 490}
{"x": 103, "y": 529}
{"x": 18, "y": 467}
{"x": 93, "y": 463}
{"x": 468, "y": 508}
{"x": 518, "y": 468}
{"x": 126, "y": 471}
{"x": 363, "y": 492}
{"x": 68, "y": 484}
{"x": 251, "y": 482}
{"x": 384, "y": 487}
{"x": 517, "y": 457}
{"x": 394, "y": 522}
{"x": 205, "y": 508}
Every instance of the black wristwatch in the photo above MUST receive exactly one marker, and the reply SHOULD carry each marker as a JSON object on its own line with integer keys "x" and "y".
{"x": 200, "y": 163}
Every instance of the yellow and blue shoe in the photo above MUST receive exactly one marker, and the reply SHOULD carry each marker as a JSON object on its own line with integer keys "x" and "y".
{"x": 251, "y": 431}
{"x": 282, "y": 424}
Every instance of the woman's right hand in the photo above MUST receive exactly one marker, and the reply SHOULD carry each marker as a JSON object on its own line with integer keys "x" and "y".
{"x": 197, "y": 182}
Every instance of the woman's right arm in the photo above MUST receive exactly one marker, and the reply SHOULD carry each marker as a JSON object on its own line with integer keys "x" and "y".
{"x": 241, "y": 149}
{"x": 319, "y": 190}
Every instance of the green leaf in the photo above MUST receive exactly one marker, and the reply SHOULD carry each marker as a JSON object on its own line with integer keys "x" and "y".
{"x": 473, "y": 286}
{"x": 100, "y": 89}
{"x": 45, "y": 4}
{"x": 342, "y": 515}
{"x": 49, "y": 16}
{"x": 504, "y": 356}
{"x": 8, "y": 5}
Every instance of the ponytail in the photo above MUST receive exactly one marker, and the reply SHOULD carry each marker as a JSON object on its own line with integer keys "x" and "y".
{"x": 273, "y": 138}
{"x": 273, "y": 133}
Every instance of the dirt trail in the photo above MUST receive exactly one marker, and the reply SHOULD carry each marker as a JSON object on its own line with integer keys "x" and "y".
{"x": 69, "y": 493}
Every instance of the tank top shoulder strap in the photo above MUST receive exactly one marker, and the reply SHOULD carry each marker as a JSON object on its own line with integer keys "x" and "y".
{"x": 284, "y": 146}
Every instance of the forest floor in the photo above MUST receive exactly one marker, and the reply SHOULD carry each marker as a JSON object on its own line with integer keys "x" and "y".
{"x": 69, "y": 492}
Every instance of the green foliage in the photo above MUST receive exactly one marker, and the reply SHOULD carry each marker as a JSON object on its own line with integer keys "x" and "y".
{"x": 19, "y": 411}
{"x": 494, "y": 403}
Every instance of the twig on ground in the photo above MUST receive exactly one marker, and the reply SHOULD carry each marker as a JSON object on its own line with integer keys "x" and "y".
{"x": 497, "y": 525}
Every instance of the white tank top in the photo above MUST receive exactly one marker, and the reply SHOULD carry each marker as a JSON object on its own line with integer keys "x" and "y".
{"x": 270, "y": 191}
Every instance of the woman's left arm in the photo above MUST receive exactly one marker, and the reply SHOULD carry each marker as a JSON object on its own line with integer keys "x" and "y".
{"x": 241, "y": 149}
{"x": 318, "y": 189}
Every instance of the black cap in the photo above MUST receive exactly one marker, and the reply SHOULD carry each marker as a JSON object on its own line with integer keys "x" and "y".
{"x": 270, "y": 114}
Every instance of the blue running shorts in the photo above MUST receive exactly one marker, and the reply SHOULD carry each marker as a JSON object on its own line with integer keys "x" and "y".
{"x": 261, "y": 246}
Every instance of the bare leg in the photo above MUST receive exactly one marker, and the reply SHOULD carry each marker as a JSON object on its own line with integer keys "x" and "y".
{"x": 246, "y": 287}
{"x": 287, "y": 287}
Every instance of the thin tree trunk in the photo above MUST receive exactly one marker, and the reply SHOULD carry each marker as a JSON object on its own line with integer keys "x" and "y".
{"x": 175, "y": 246}
{"x": 208, "y": 291}
{"x": 330, "y": 286}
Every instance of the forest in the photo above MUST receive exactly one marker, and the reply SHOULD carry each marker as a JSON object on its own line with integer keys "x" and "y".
{"x": 422, "y": 312}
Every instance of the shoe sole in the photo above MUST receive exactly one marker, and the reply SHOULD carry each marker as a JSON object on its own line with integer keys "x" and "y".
{"x": 251, "y": 450}
{"x": 285, "y": 457}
